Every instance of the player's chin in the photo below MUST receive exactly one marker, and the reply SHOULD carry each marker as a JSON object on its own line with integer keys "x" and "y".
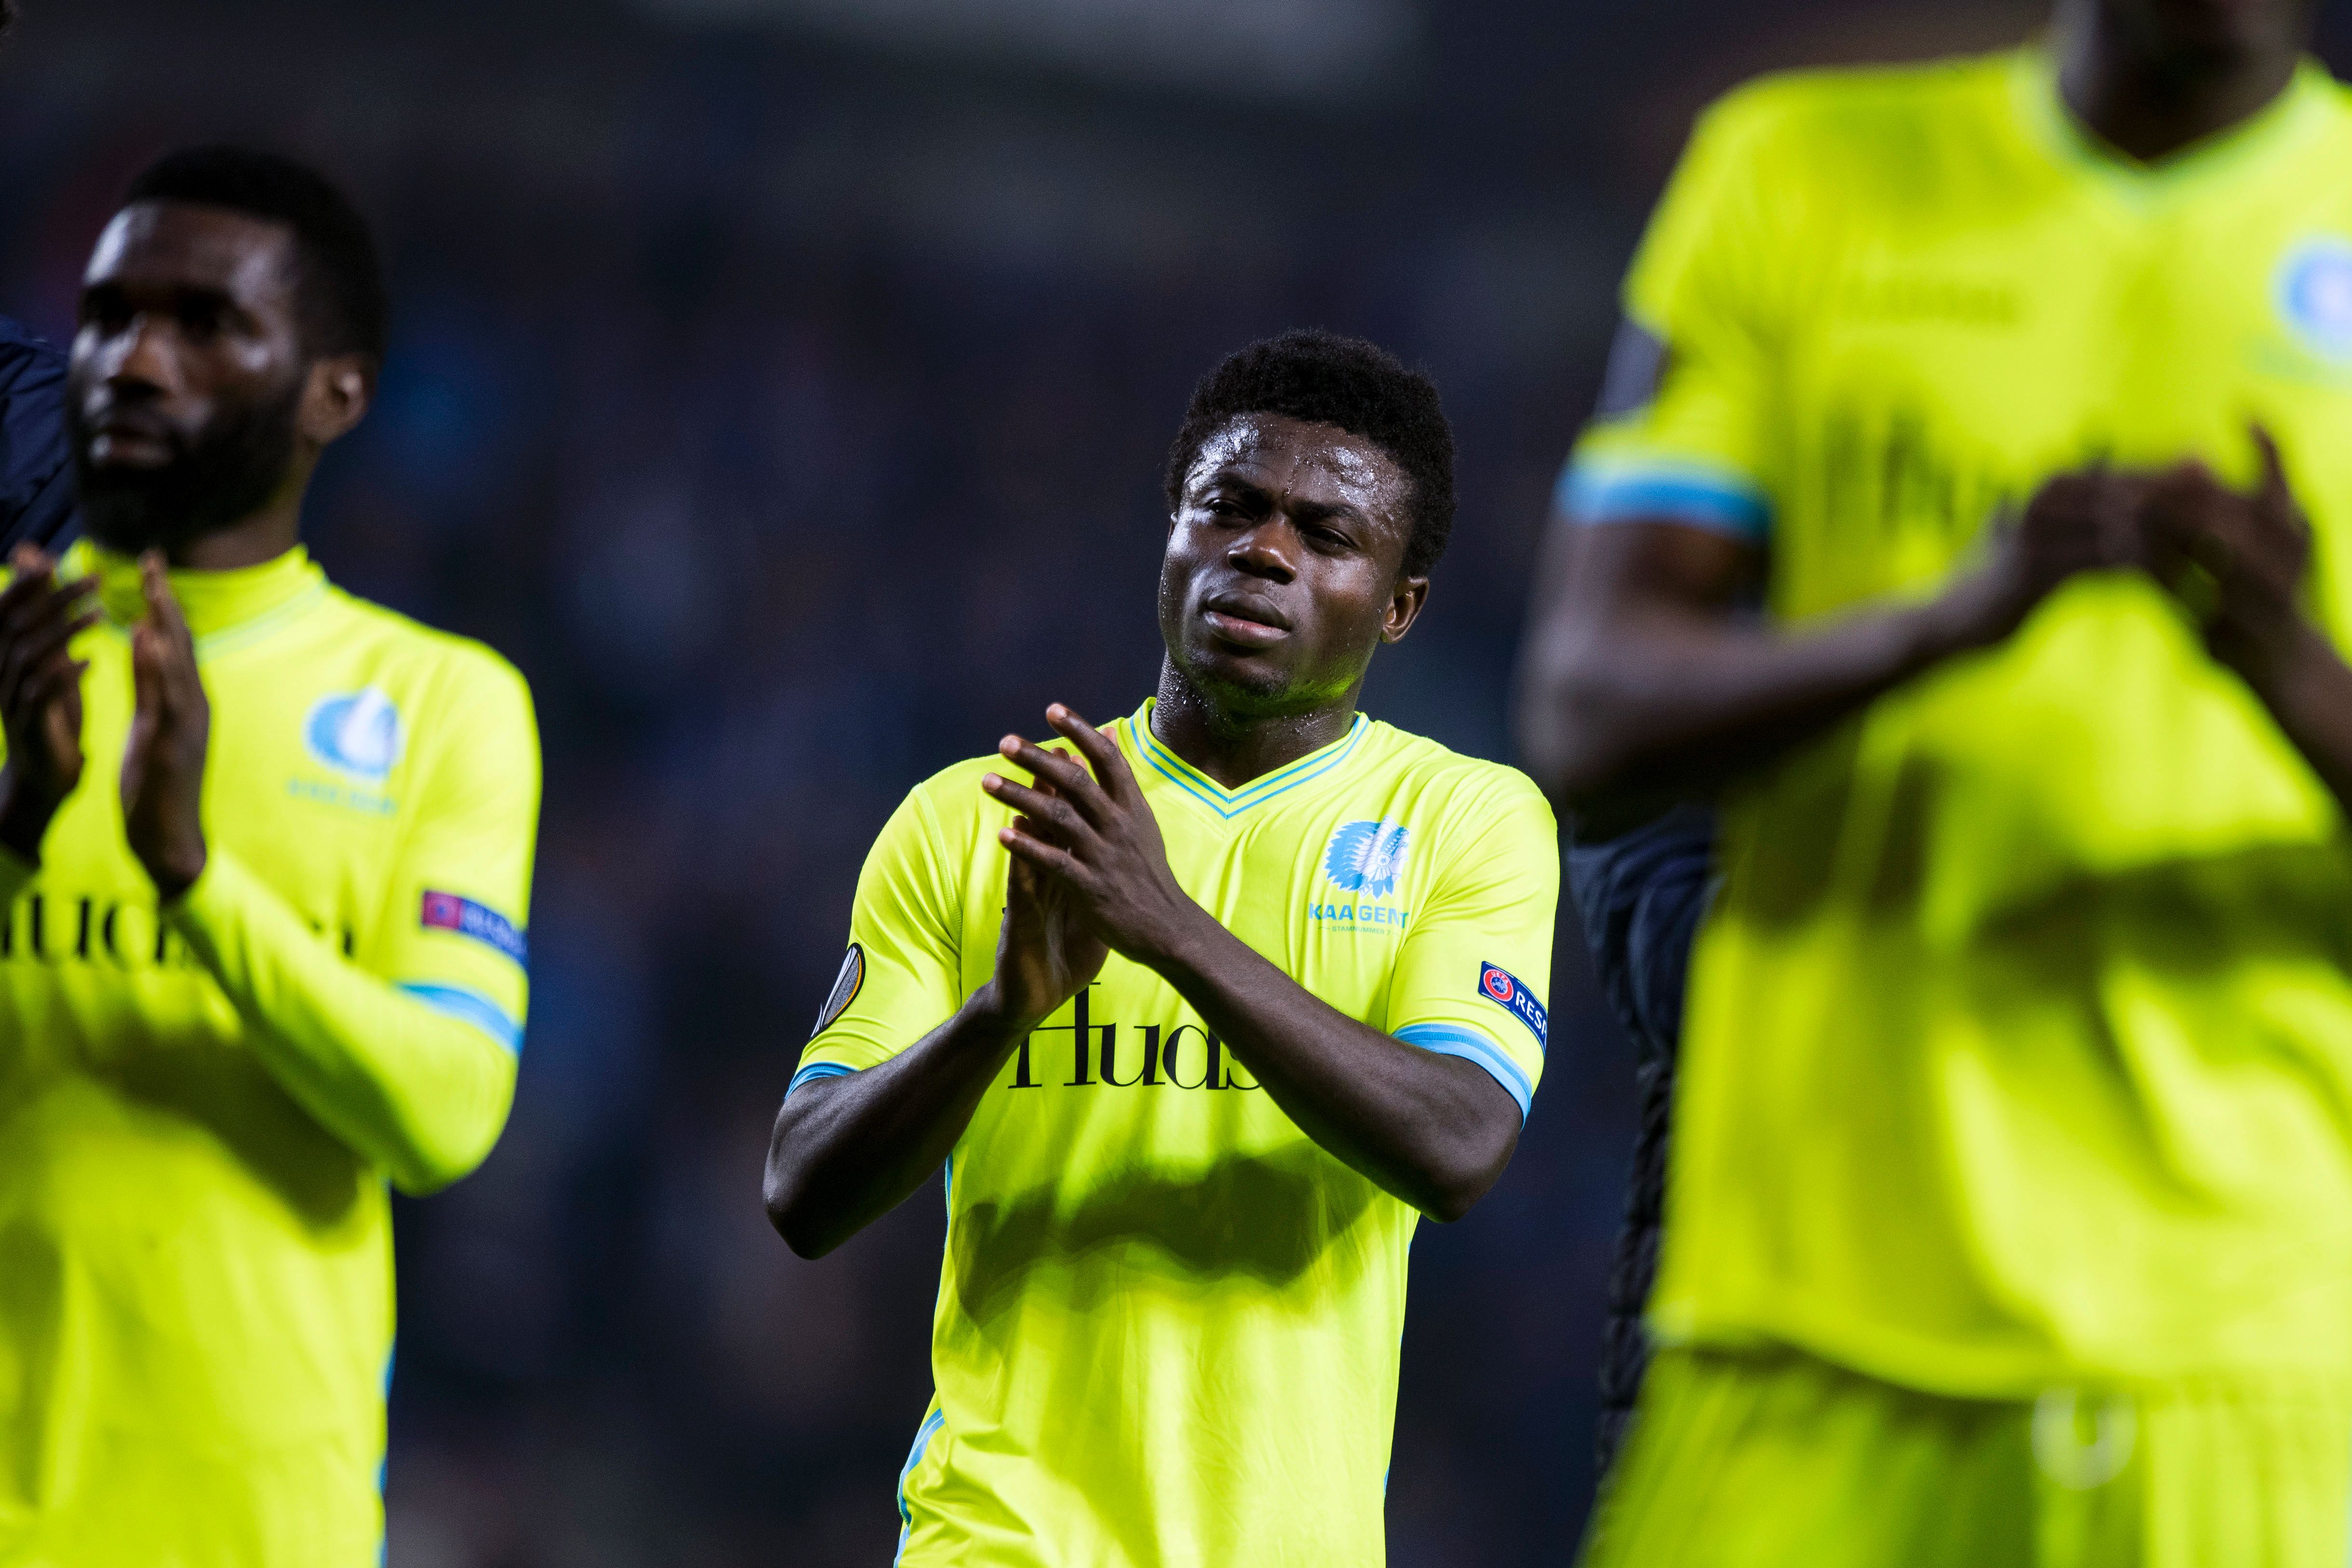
{"x": 2227, "y": 28}
{"x": 1250, "y": 675}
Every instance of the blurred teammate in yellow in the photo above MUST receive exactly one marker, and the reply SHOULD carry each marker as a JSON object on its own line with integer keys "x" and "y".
{"x": 2009, "y": 1217}
{"x": 265, "y": 852}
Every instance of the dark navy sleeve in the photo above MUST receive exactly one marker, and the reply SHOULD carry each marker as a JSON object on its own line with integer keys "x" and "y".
{"x": 1640, "y": 896}
{"x": 36, "y": 498}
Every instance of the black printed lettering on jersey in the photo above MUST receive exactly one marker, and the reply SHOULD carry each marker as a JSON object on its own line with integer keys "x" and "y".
{"x": 1183, "y": 1057}
{"x": 59, "y": 929}
{"x": 1907, "y": 299}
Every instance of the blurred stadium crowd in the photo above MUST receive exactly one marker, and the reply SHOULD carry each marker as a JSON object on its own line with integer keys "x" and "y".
{"x": 791, "y": 412}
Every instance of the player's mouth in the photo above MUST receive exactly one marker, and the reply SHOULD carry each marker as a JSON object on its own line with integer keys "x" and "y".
{"x": 1245, "y": 619}
{"x": 126, "y": 439}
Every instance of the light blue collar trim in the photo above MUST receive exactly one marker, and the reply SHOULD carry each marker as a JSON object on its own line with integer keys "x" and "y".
{"x": 1230, "y": 803}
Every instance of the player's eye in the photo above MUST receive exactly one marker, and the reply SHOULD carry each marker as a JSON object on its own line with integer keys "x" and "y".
{"x": 105, "y": 309}
{"x": 201, "y": 320}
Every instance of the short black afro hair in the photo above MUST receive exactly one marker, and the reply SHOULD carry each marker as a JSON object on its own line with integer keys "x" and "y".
{"x": 1361, "y": 387}
{"x": 339, "y": 289}
{"x": 7, "y": 17}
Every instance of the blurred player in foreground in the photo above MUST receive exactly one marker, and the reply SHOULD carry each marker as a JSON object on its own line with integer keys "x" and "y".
{"x": 36, "y": 477}
{"x": 2010, "y": 1216}
{"x": 264, "y": 854}
{"x": 1202, "y": 1019}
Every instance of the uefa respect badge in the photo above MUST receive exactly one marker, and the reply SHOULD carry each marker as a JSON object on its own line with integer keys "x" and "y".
{"x": 1501, "y": 987}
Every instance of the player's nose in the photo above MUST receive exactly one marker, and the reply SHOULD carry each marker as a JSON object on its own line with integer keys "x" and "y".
{"x": 1266, "y": 551}
{"x": 142, "y": 359}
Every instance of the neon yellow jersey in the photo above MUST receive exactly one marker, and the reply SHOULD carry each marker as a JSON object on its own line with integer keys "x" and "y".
{"x": 2017, "y": 1040}
{"x": 1168, "y": 1321}
{"x": 199, "y": 1107}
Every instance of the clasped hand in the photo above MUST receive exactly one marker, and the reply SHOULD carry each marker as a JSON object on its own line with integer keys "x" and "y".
{"x": 1089, "y": 873}
{"x": 41, "y": 715}
{"x": 2236, "y": 560}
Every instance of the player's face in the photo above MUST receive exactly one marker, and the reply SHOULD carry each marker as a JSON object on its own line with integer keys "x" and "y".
{"x": 1283, "y": 564}
{"x": 2230, "y": 29}
{"x": 188, "y": 373}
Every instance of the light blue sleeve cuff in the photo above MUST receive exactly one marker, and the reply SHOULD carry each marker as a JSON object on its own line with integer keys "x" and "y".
{"x": 470, "y": 1007}
{"x": 816, "y": 1070}
{"x": 1460, "y": 1041}
{"x": 1712, "y": 498}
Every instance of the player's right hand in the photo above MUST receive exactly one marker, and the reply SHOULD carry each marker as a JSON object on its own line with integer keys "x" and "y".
{"x": 40, "y": 696}
{"x": 1046, "y": 951}
{"x": 2087, "y": 520}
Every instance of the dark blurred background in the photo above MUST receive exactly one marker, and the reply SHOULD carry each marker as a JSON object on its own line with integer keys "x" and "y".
{"x": 783, "y": 384}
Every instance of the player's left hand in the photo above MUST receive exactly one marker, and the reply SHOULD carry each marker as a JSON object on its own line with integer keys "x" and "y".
{"x": 163, "y": 758}
{"x": 2239, "y": 560}
{"x": 1095, "y": 834}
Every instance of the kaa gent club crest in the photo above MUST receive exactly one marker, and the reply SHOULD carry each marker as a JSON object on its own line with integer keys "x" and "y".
{"x": 2315, "y": 295}
{"x": 355, "y": 733}
{"x": 1367, "y": 858}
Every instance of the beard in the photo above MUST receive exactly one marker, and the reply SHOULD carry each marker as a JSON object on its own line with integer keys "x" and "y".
{"x": 216, "y": 478}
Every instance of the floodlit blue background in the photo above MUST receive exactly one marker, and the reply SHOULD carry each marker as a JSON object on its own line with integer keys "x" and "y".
{"x": 783, "y": 384}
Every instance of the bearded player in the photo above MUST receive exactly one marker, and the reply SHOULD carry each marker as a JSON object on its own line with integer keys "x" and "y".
{"x": 1202, "y": 1012}
{"x": 2010, "y": 1180}
{"x": 263, "y": 855}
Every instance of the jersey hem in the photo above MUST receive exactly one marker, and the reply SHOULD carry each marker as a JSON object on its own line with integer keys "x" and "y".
{"x": 1938, "y": 1367}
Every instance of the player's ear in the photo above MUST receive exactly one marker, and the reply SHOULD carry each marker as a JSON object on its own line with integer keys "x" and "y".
{"x": 336, "y": 396}
{"x": 1404, "y": 607}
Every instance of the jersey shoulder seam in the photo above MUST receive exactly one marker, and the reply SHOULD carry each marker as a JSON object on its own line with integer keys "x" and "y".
{"x": 407, "y": 630}
{"x": 1440, "y": 763}
{"x": 1817, "y": 110}
{"x": 1910, "y": 86}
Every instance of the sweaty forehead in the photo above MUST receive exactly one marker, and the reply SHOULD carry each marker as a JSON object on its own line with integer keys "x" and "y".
{"x": 184, "y": 245}
{"x": 1304, "y": 458}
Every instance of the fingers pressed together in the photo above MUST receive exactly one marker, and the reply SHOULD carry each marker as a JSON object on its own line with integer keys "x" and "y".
{"x": 1066, "y": 798}
{"x": 162, "y": 650}
{"x": 2169, "y": 520}
{"x": 39, "y": 617}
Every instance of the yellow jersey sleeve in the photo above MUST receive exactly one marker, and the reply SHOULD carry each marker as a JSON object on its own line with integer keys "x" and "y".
{"x": 409, "y": 1056}
{"x": 1683, "y": 430}
{"x": 457, "y": 928}
{"x": 903, "y": 976}
{"x": 1476, "y": 963}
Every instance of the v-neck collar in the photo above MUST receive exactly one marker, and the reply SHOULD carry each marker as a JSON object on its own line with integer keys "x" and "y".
{"x": 2298, "y": 111}
{"x": 1231, "y": 802}
{"x": 225, "y": 610}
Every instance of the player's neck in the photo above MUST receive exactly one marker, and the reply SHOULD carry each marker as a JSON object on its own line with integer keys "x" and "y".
{"x": 2148, "y": 102}
{"x": 265, "y": 536}
{"x": 1235, "y": 748}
